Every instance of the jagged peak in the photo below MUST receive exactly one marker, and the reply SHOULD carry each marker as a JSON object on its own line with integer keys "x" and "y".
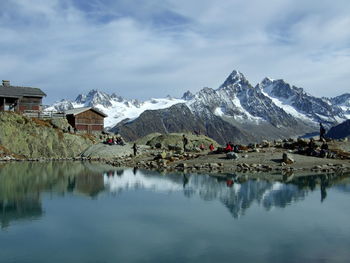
{"x": 206, "y": 90}
{"x": 188, "y": 95}
{"x": 94, "y": 97}
{"x": 266, "y": 81}
{"x": 236, "y": 78}
{"x": 80, "y": 98}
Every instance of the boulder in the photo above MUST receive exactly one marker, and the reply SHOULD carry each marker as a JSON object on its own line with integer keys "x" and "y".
{"x": 174, "y": 147}
{"x": 265, "y": 144}
{"x": 287, "y": 158}
{"x": 232, "y": 156}
{"x": 158, "y": 145}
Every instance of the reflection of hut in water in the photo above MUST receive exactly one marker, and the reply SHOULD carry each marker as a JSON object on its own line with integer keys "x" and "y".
{"x": 25, "y": 209}
{"x": 89, "y": 184}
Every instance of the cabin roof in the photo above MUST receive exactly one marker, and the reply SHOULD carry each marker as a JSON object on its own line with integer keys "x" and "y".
{"x": 18, "y": 92}
{"x": 77, "y": 111}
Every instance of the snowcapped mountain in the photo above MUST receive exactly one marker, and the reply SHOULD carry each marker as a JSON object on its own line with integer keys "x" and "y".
{"x": 116, "y": 107}
{"x": 236, "y": 98}
{"x": 299, "y": 104}
{"x": 343, "y": 102}
{"x": 234, "y": 111}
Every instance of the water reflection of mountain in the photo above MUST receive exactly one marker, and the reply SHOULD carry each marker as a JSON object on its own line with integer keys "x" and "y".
{"x": 25, "y": 209}
{"x": 21, "y": 185}
{"x": 344, "y": 186}
{"x": 237, "y": 197}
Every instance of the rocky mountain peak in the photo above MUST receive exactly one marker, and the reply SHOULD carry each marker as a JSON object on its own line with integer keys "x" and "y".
{"x": 235, "y": 79}
{"x": 116, "y": 97}
{"x": 93, "y": 98}
{"x": 342, "y": 100}
{"x": 279, "y": 88}
{"x": 266, "y": 82}
{"x": 188, "y": 95}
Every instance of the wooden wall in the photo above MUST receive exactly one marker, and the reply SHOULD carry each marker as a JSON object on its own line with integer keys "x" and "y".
{"x": 88, "y": 121}
{"x": 29, "y": 103}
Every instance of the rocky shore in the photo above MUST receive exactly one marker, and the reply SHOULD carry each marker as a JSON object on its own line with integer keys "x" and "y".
{"x": 164, "y": 153}
{"x": 265, "y": 159}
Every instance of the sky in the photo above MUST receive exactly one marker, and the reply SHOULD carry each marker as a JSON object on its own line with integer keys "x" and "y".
{"x": 144, "y": 49}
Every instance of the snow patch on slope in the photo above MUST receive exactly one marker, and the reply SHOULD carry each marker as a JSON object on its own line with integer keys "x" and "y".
{"x": 115, "y": 107}
{"x": 246, "y": 116}
{"x": 121, "y": 110}
{"x": 285, "y": 104}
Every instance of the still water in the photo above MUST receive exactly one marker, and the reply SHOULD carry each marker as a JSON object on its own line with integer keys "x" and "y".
{"x": 85, "y": 212}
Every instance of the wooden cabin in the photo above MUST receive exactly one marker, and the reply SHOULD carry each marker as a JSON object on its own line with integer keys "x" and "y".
{"x": 87, "y": 119}
{"x": 20, "y": 99}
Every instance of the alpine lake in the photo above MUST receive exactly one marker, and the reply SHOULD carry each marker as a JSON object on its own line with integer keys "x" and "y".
{"x": 91, "y": 212}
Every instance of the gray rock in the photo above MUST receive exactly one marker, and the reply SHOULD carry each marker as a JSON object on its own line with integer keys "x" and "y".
{"x": 232, "y": 156}
{"x": 287, "y": 158}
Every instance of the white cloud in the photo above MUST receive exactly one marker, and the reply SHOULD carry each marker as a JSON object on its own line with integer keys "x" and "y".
{"x": 166, "y": 47}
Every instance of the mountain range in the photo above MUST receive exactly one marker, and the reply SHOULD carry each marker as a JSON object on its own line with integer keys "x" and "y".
{"x": 236, "y": 111}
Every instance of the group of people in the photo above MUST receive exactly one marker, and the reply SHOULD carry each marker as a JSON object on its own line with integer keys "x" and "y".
{"x": 114, "y": 141}
{"x": 201, "y": 146}
{"x": 314, "y": 150}
{"x": 230, "y": 147}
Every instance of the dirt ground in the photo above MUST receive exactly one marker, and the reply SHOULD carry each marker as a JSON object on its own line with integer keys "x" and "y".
{"x": 265, "y": 160}
{"x": 270, "y": 157}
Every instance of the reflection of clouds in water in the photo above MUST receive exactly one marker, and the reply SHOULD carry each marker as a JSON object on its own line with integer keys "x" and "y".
{"x": 131, "y": 181}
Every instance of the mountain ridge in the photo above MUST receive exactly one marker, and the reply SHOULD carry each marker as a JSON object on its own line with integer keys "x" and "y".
{"x": 281, "y": 108}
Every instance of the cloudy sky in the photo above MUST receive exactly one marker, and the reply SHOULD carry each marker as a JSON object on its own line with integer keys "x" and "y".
{"x": 152, "y": 48}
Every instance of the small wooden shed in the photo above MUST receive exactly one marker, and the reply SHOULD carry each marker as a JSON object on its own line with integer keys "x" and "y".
{"x": 86, "y": 119}
{"x": 20, "y": 99}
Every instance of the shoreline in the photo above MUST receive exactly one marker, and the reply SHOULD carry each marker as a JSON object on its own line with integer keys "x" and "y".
{"x": 264, "y": 163}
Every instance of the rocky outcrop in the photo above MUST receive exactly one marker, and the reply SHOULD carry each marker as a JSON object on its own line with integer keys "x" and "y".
{"x": 101, "y": 150}
{"x": 340, "y": 131}
{"x": 34, "y": 138}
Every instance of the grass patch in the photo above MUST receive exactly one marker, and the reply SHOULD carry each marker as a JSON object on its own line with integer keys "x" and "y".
{"x": 88, "y": 136}
{"x": 42, "y": 123}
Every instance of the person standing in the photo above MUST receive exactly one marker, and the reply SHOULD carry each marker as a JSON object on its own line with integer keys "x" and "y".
{"x": 134, "y": 147}
{"x": 185, "y": 141}
{"x": 322, "y": 132}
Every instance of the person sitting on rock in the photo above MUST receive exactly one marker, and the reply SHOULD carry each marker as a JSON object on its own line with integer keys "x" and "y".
{"x": 311, "y": 150}
{"x": 202, "y": 147}
{"x": 228, "y": 148}
{"x": 211, "y": 147}
{"x": 231, "y": 144}
{"x": 324, "y": 150}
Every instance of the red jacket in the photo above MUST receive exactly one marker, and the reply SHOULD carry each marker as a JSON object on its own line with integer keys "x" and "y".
{"x": 228, "y": 148}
